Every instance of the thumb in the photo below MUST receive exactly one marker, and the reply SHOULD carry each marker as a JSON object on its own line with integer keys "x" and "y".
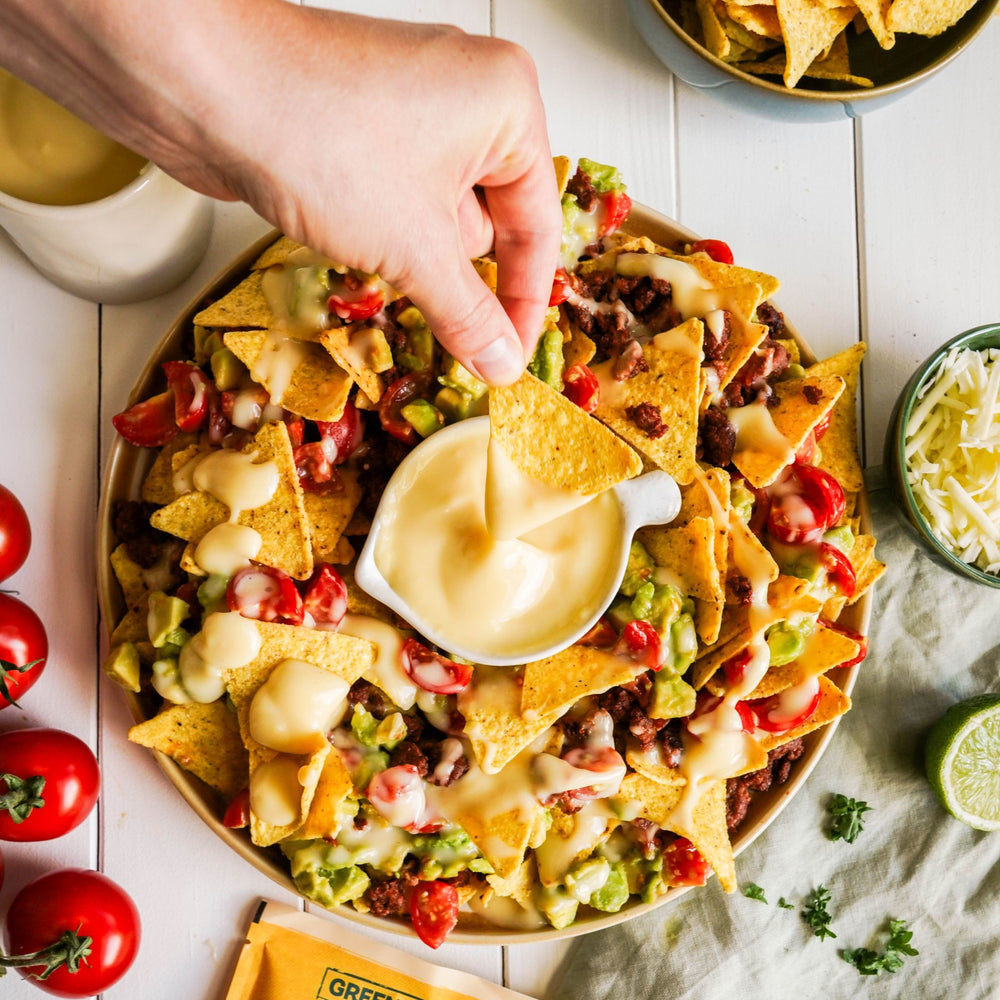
{"x": 470, "y": 323}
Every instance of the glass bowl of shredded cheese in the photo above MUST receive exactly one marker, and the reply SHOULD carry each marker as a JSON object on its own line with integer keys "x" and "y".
{"x": 943, "y": 454}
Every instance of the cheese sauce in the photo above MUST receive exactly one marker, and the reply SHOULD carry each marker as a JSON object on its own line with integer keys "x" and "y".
{"x": 227, "y": 640}
{"x": 49, "y": 157}
{"x": 499, "y": 596}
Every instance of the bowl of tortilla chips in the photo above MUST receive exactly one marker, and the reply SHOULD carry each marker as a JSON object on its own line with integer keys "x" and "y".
{"x": 807, "y": 60}
{"x": 508, "y": 719}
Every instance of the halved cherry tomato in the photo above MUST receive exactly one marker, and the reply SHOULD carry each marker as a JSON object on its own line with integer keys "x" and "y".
{"x": 24, "y": 648}
{"x": 602, "y": 635}
{"x": 80, "y": 925}
{"x": 397, "y": 793}
{"x": 735, "y": 667}
{"x": 312, "y": 465}
{"x": 780, "y": 714}
{"x": 190, "y": 387}
{"x": 683, "y": 863}
{"x": 351, "y": 310}
{"x": 149, "y": 424}
{"x": 839, "y": 569}
{"x": 716, "y": 249}
{"x": 823, "y": 426}
{"x": 807, "y": 449}
{"x": 640, "y": 641}
{"x": 325, "y": 598}
{"x": 265, "y": 594}
{"x": 341, "y": 438}
{"x": 434, "y": 911}
{"x": 560, "y": 288}
{"x": 237, "y": 814}
{"x": 710, "y": 702}
{"x": 296, "y": 430}
{"x": 861, "y": 640}
{"x": 49, "y": 781}
{"x": 580, "y": 385}
{"x": 805, "y": 501}
{"x": 432, "y": 671}
{"x": 245, "y": 408}
{"x": 15, "y": 534}
{"x": 404, "y": 390}
{"x": 616, "y": 205}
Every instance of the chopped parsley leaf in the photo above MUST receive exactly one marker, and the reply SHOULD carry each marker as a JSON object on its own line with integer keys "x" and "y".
{"x": 815, "y": 913}
{"x": 871, "y": 963}
{"x": 784, "y": 904}
{"x": 753, "y": 891}
{"x": 846, "y": 818}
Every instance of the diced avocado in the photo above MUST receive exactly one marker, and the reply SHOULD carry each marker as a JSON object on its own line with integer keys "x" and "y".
{"x": 424, "y": 417}
{"x": 122, "y": 665}
{"x": 796, "y": 560}
{"x": 453, "y": 404}
{"x": 447, "y": 853}
{"x": 379, "y": 351}
{"x": 620, "y": 613}
{"x": 655, "y": 884}
{"x": 309, "y": 286}
{"x": 786, "y": 640}
{"x": 683, "y": 642}
{"x": 558, "y": 906}
{"x": 657, "y": 603}
{"x": 201, "y": 338}
{"x": 571, "y": 210}
{"x": 547, "y": 362}
{"x": 603, "y": 177}
{"x": 212, "y": 592}
{"x": 639, "y": 569}
{"x": 613, "y": 895}
{"x": 840, "y": 537}
{"x": 794, "y": 370}
{"x": 587, "y": 877}
{"x": 419, "y": 353}
{"x": 227, "y": 369}
{"x": 742, "y": 500}
{"x": 672, "y": 698}
{"x": 456, "y": 376}
{"x": 165, "y": 614}
{"x": 376, "y": 733}
{"x": 330, "y": 887}
{"x": 167, "y": 681}
{"x": 173, "y": 642}
{"x": 370, "y": 764}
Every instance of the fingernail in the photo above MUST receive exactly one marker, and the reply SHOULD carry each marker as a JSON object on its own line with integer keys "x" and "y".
{"x": 500, "y": 362}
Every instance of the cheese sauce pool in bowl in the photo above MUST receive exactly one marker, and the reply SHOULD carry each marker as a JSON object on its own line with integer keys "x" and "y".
{"x": 500, "y": 600}
{"x": 942, "y": 454}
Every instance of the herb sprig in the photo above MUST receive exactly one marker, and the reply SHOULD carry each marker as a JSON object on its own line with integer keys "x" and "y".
{"x": 754, "y": 891}
{"x": 846, "y": 818}
{"x": 815, "y": 913}
{"x": 871, "y": 963}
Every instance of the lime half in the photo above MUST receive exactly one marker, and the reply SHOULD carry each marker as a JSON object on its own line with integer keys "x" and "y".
{"x": 963, "y": 761}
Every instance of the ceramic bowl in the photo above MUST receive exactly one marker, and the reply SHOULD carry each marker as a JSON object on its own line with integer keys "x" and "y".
{"x": 125, "y": 472}
{"x": 895, "y": 72}
{"x": 977, "y": 339}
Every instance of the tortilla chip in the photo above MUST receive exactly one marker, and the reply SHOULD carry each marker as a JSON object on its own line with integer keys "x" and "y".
{"x": 158, "y": 486}
{"x": 310, "y": 768}
{"x": 761, "y": 19}
{"x": 563, "y": 846}
{"x": 277, "y": 253}
{"x": 926, "y": 17}
{"x": 487, "y": 270}
{"x": 716, "y": 40}
{"x": 130, "y": 576}
{"x": 746, "y": 549}
{"x": 867, "y": 569}
{"x": 801, "y": 404}
{"x": 494, "y": 722}
{"x": 333, "y": 787}
{"x": 281, "y": 522}
{"x": 343, "y": 552}
{"x": 808, "y": 30}
{"x": 552, "y": 440}
{"x": 204, "y": 739}
{"x": 563, "y": 169}
{"x": 519, "y": 886}
{"x": 650, "y": 764}
{"x": 671, "y": 386}
{"x": 838, "y": 448}
{"x": 688, "y": 552}
{"x": 578, "y": 348}
{"x": 317, "y": 388}
{"x": 245, "y": 307}
{"x": 358, "y": 350}
{"x": 708, "y": 833}
{"x": 132, "y": 627}
{"x": 704, "y": 668}
{"x": 328, "y": 514}
{"x": 554, "y": 684}
{"x": 832, "y": 703}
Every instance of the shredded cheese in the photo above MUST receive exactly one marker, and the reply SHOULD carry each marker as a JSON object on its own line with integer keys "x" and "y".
{"x": 952, "y": 448}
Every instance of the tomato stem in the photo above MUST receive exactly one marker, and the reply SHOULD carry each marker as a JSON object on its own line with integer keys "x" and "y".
{"x": 6, "y": 667}
{"x": 22, "y": 796}
{"x": 68, "y": 951}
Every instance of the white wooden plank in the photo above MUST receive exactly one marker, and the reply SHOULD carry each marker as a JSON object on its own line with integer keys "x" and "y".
{"x": 931, "y": 209}
{"x": 606, "y": 96}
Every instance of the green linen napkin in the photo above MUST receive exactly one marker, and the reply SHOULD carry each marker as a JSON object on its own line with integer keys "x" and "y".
{"x": 935, "y": 639}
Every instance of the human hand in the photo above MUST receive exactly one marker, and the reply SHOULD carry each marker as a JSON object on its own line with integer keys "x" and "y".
{"x": 403, "y": 149}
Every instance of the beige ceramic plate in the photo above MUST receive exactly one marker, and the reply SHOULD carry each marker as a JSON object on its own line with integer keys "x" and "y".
{"x": 126, "y": 469}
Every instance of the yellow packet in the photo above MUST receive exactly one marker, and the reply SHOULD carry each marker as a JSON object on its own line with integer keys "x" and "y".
{"x": 291, "y": 955}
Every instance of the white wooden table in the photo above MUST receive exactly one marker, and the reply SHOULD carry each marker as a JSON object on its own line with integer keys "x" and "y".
{"x": 883, "y": 230}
